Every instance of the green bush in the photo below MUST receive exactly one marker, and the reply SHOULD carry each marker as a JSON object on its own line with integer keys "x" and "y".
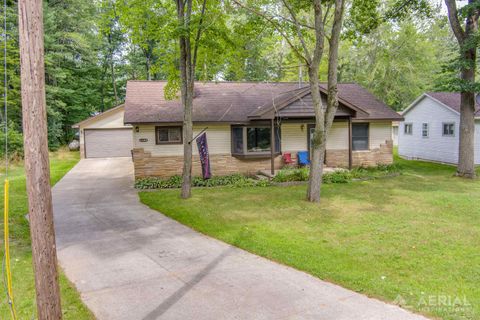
{"x": 339, "y": 176}
{"x": 234, "y": 180}
{"x": 287, "y": 175}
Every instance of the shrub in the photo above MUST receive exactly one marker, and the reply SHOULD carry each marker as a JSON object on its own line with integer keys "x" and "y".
{"x": 234, "y": 180}
{"x": 287, "y": 175}
{"x": 339, "y": 176}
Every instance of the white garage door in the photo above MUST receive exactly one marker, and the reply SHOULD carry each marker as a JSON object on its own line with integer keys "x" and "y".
{"x": 106, "y": 143}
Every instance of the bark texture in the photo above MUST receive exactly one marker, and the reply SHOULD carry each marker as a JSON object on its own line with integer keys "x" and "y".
{"x": 37, "y": 167}
{"x": 323, "y": 116}
{"x": 188, "y": 59}
{"x": 468, "y": 46}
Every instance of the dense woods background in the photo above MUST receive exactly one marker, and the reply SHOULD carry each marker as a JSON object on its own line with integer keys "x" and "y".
{"x": 93, "y": 47}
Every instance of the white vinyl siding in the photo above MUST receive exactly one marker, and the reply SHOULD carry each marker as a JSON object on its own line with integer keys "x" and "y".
{"x": 380, "y": 133}
{"x": 437, "y": 147}
{"x": 293, "y": 137}
{"x": 218, "y": 139}
{"x": 338, "y": 136}
{"x": 113, "y": 119}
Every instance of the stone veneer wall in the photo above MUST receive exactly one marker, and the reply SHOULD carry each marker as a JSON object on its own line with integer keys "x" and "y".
{"x": 368, "y": 158}
{"x": 147, "y": 165}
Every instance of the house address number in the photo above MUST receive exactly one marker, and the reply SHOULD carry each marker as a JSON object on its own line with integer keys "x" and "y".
{"x": 143, "y": 140}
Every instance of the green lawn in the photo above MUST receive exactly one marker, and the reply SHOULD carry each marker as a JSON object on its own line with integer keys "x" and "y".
{"x": 23, "y": 282}
{"x": 416, "y": 235}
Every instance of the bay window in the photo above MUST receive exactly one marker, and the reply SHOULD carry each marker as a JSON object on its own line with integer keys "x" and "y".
{"x": 254, "y": 140}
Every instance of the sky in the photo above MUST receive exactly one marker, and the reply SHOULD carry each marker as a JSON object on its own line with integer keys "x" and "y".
{"x": 460, "y": 3}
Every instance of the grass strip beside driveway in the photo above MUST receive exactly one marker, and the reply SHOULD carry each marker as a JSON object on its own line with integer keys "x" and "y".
{"x": 22, "y": 269}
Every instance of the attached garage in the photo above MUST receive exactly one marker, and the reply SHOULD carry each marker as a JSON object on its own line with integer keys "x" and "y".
{"x": 107, "y": 143}
{"x": 105, "y": 135}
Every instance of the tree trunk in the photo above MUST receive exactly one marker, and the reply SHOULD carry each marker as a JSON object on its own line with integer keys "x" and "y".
{"x": 324, "y": 118}
{"x": 186, "y": 88}
{"x": 466, "y": 147}
{"x": 468, "y": 47}
{"x": 318, "y": 140}
{"x": 466, "y": 153}
{"x": 114, "y": 84}
{"x": 36, "y": 159}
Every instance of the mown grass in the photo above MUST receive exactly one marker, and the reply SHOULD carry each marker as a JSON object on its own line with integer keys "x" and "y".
{"x": 412, "y": 239}
{"x": 22, "y": 271}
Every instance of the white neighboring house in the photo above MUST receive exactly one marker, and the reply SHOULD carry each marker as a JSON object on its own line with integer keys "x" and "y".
{"x": 430, "y": 130}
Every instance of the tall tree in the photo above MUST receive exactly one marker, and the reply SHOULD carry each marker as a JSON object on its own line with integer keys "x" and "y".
{"x": 297, "y": 30}
{"x": 36, "y": 160}
{"x": 188, "y": 45}
{"x": 468, "y": 40}
{"x": 148, "y": 24}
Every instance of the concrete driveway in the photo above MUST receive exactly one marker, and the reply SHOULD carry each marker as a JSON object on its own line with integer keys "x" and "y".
{"x": 130, "y": 262}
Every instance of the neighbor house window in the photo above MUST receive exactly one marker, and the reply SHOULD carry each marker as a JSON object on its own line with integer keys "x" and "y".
{"x": 251, "y": 140}
{"x": 168, "y": 135}
{"x": 425, "y": 130}
{"x": 449, "y": 129}
{"x": 360, "y": 136}
{"x": 408, "y": 128}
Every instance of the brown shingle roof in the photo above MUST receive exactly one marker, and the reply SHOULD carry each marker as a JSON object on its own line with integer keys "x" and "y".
{"x": 451, "y": 100}
{"x": 232, "y": 102}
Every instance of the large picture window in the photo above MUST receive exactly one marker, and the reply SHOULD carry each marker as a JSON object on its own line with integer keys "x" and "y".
{"x": 258, "y": 139}
{"x": 253, "y": 140}
{"x": 360, "y": 136}
{"x": 168, "y": 135}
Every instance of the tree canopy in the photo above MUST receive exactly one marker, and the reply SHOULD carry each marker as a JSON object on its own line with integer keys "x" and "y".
{"x": 93, "y": 47}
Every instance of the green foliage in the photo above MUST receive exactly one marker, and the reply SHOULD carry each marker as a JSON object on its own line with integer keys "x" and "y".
{"x": 292, "y": 174}
{"x": 339, "y": 176}
{"x": 15, "y": 143}
{"x": 397, "y": 62}
{"x": 234, "y": 180}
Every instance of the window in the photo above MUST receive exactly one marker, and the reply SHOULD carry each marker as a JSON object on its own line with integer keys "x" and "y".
{"x": 408, "y": 128}
{"x": 253, "y": 140}
{"x": 449, "y": 129}
{"x": 360, "y": 136}
{"x": 425, "y": 130}
{"x": 237, "y": 140}
{"x": 258, "y": 139}
{"x": 168, "y": 135}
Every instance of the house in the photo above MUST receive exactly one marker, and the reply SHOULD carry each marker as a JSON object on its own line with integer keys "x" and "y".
{"x": 105, "y": 135}
{"x": 430, "y": 130}
{"x": 242, "y": 119}
{"x": 395, "y": 125}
